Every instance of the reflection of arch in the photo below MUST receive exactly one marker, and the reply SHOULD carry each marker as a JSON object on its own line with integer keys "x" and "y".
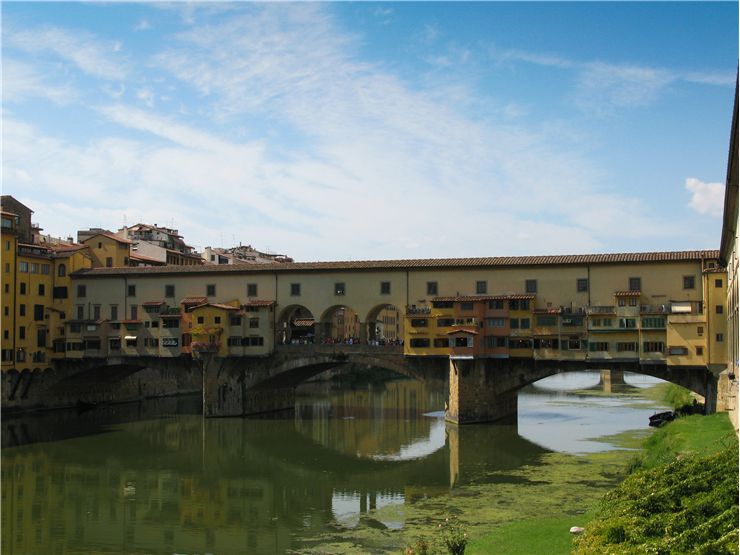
{"x": 340, "y": 323}
{"x": 296, "y": 324}
{"x": 384, "y": 323}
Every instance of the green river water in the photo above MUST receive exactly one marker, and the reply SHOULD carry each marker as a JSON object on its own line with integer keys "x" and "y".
{"x": 361, "y": 468}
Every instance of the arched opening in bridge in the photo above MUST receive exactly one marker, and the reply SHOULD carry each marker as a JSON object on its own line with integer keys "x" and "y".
{"x": 340, "y": 324}
{"x": 296, "y": 325}
{"x": 384, "y": 325}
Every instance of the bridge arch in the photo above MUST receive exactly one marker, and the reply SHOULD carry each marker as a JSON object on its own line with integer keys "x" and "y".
{"x": 339, "y": 323}
{"x": 384, "y": 323}
{"x": 296, "y": 324}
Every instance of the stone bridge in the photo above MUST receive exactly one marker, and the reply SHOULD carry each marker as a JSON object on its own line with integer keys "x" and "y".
{"x": 479, "y": 390}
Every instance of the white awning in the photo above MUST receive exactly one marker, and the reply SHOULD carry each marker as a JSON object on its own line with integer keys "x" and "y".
{"x": 130, "y": 337}
{"x": 680, "y": 307}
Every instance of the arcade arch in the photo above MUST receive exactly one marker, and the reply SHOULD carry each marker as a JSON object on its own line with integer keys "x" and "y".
{"x": 384, "y": 324}
{"x": 295, "y": 325}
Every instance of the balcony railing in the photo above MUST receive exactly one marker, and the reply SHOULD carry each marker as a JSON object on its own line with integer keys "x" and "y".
{"x": 601, "y": 310}
{"x": 418, "y": 310}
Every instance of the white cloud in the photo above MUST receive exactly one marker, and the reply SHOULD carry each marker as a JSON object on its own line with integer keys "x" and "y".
{"x": 706, "y": 198}
{"x": 88, "y": 53}
{"x": 142, "y": 25}
{"x": 22, "y": 81}
{"x": 146, "y": 96}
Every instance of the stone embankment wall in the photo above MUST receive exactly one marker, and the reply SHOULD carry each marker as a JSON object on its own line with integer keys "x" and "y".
{"x": 75, "y": 385}
{"x": 727, "y": 390}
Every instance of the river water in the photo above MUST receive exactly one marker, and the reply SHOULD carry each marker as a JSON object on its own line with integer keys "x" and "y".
{"x": 355, "y": 468}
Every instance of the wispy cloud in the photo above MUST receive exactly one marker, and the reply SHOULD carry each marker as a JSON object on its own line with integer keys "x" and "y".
{"x": 90, "y": 54}
{"x": 22, "y": 81}
{"x": 706, "y": 198}
{"x": 601, "y": 85}
{"x": 142, "y": 25}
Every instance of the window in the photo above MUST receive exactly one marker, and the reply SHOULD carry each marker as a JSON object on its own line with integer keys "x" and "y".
{"x": 445, "y": 322}
{"x": 495, "y": 323}
{"x": 653, "y": 322}
{"x": 131, "y": 342}
{"x": 524, "y": 323}
{"x": 520, "y": 343}
{"x": 7, "y": 267}
{"x": 496, "y": 304}
{"x": 22, "y": 310}
{"x": 42, "y": 289}
{"x": 419, "y": 342}
{"x": 170, "y": 341}
{"x": 621, "y": 302}
{"x": 131, "y": 291}
{"x": 109, "y": 262}
{"x": 38, "y": 312}
{"x": 522, "y": 304}
{"x": 256, "y": 341}
{"x": 114, "y": 312}
{"x": 22, "y": 290}
{"x": 96, "y": 312}
{"x": 441, "y": 342}
{"x": 700, "y": 351}
{"x": 700, "y": 331}
{"x": 339, "y": 288}
{"x": 170, "y": 323}
{"x": 467, "y": 305}
{"x": 80, "y": 312}
{"x": 718, "y": 283}
{"x": 7, "y": 243}
{"x": 45, "y": 269}
{"x": 100, "y": 245}
{"x": 627, "y": 347}
{"x": 62, "y": 270}
{"x": 431, "y": 288}
{"x": 719, "y": 309}
{"x": 235, "y": 320}
{"x": 211, "y": 290}
{"x": 628, "y": 323}
{"x": 514, "y": 323}
{"x": 481, "y": 287}
{"x": 6, "y": 311}
{"x": 633, "y": 301}
{"x": 254, "y": 322}
{"x": 530, "y": 286}
{"x": 463, "y": 342}
{"x": 217, "y": 319}
{"x": 23, "y": 267}
{"x": 134, "y": 312}
{"x": 547, "y": 320}
{"x": 689, "y": 282}
{"x": 635, "y": 284}
{"x": 22, "y": 332}
{"x": 653, "y": 346}
{"x": 169, "y": 290}
{"x": 594, "y": 346}
{"x": 582, "y": 285}
{"x": 251, "y": 289}
{"x": 385, "y": 287}
{"x": 419, "y": 322}
{"x": 678, "y": 351}
{"x": 34, "y": 268}
{"x": 720, "y": 338}
{"x": 200, "y": 319}
{"x": 295, "y": 289}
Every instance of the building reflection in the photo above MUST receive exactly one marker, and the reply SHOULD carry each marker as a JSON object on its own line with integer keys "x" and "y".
{"x": 178, "y": 484}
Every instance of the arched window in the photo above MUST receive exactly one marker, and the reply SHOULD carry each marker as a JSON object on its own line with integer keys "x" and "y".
{"x": 62, "y": 270}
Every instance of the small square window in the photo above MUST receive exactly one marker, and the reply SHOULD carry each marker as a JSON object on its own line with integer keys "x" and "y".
{"x": 530, "y": 286}
{"x": 169, "y": 290}
{"x": 251, "y": 289}
{"x": 431, "y": 288}
{"x": 217, "y": 319}
{"x": 720, "y": 338}
{"x": 719, "y": 309}
{"x": 339, "y": 289}
{"x": 699, "y": 351}
{"x": 635, "y": 284}
{"x": 582, "y": 285}
{"x": 211, "y": 290}
{"x": 633, "y": 301}
{"x": 22, "y": 289}
{"x": 621, "y": 302}
{"x": 295, "y": 289}
{"x": 131, "y": 290}
{"x": 700, "y": 330}
{"x": 689, "y": 282}
{"x": 81, "y": 291}
{"x": 718, "y": 283}
{"x": 200, "y": 319}
{"x": 481, "y": 287}
{"x": 385, "y": 287}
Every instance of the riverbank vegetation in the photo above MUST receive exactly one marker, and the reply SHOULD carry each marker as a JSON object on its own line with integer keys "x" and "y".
{"x": 680, "y": 498}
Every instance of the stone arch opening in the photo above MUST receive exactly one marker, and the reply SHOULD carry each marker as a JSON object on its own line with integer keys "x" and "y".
{"x": 384, "y": 325}
{"x": 341, "y": 324}
{"x": 296, "y": 325}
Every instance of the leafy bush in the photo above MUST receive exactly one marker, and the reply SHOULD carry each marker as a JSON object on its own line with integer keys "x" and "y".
{"x": 687, "y": 506}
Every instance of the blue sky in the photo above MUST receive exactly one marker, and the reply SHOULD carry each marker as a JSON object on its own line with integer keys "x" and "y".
{"x": 375, "y": 130}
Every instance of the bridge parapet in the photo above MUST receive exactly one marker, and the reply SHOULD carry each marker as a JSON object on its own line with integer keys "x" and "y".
{"x": 339, "y": 348}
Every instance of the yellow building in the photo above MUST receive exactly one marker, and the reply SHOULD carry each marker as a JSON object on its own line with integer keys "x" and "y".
{"x": 9, "y": 248}
{"x": 108, "y": 250}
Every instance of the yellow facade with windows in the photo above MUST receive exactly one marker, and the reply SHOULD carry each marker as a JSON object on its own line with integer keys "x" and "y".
{"x": 108, "y": 251}
{"x": 9, "y": 268}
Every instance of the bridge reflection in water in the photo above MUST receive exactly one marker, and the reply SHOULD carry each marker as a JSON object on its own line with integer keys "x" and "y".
{"x": 181, "y": 484}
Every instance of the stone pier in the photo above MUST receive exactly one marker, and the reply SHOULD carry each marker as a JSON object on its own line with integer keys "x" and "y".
{"x": 476, "y": 395}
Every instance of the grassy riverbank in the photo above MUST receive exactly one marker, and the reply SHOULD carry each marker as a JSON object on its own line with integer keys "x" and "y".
{"x": 701, "y": 485}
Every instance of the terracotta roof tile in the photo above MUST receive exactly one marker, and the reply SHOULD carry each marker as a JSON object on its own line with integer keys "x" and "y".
{"x": 473, "y": 298}
{"x": 153, "y": 303}
{"x": 430, "y": 263}
{"x": 193, "y": 300}
{"x": 260, "y": 303}
{"x": 627, "y": 293}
